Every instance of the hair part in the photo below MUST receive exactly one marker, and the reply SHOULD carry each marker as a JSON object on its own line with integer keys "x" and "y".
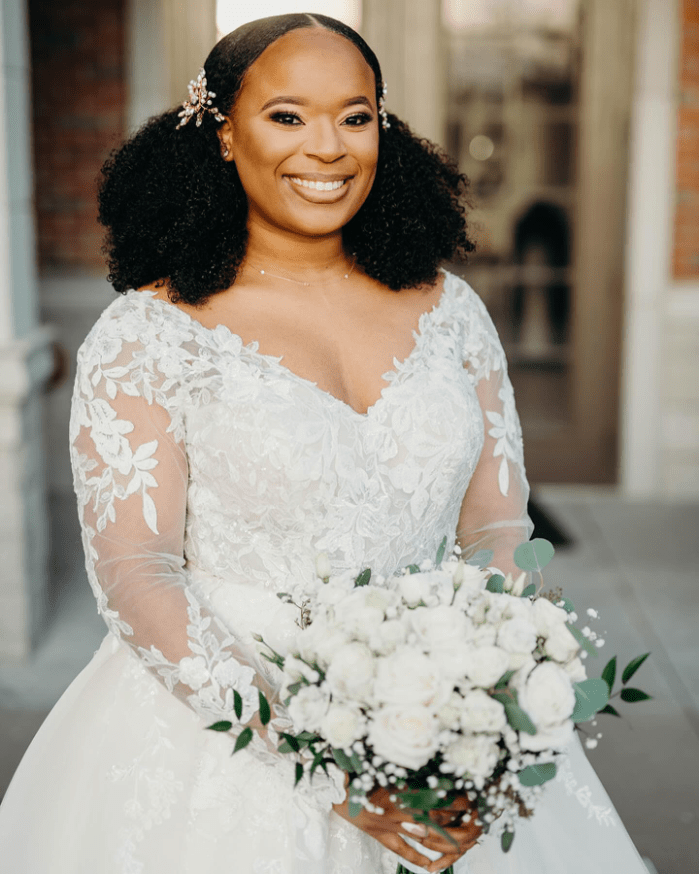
{"x": 175, "y": 211}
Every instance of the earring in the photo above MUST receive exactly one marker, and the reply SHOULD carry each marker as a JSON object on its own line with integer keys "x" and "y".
{"x": 225, "y": 152}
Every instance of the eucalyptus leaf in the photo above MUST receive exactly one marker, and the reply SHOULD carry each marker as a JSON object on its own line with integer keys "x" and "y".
{"x": 223, "y": 725}
{"x": 535, "y": 775}
{"x": 566, "y": 604}
{"x": 590, "y": 696}
{"x": 505, "y": 679}
{"x": 265, "y": 712}
{"x": 363, "y": 578}
{"x": 243, "y": 739}
{"x": 505, "y": 697}
{"x": 609, "y": 673}
{"x": 506, "y": 840}
{"x": 495, "y": 583}
{"x": 533, "y": 555}
{"x": 518, "y": 718}
{"x": 632, "y": 667}
{"x": 589, "y": 647}
{"x": 355, "y": 807}
{"x": 343, "y": 761}
{"x": 631, "y": 695}
{"x": 414, "y": 569}
{"x": 237, "y": 704}
{"x": 609, "y": 709}
{"x": 526, "y": 593}
{"x": 441, "y": 551}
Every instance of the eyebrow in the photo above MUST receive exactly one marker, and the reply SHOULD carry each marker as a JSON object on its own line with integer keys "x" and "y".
{"x": 297, "y": 101}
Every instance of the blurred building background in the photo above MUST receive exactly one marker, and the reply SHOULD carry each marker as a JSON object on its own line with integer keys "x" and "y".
{"x": 577, "y": 122}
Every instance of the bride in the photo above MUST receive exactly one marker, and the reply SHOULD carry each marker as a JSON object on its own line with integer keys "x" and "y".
{"x": 288, "y": 372}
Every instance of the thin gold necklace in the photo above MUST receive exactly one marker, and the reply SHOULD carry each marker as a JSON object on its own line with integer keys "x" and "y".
{"x": 299, "y": 281}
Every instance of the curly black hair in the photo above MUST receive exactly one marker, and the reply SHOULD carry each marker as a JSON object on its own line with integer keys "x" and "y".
{"x": 175, "y": 211}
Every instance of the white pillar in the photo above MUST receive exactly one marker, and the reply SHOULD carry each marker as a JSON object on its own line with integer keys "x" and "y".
{"x": 649, "y": 244}
{"x": 25, "y": 357}
{"x": 167, "y": 42}
{"x": 408, "y": 39}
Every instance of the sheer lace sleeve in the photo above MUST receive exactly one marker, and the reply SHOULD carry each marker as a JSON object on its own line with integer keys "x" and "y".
{"x": 130, "y": 475}
{"x": 494, "y": 510}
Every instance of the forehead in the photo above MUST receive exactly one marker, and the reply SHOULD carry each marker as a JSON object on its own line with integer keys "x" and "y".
{"x": 308, "y": 61}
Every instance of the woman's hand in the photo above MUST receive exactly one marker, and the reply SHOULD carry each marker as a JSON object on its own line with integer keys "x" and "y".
{"x": 388, "y": 827}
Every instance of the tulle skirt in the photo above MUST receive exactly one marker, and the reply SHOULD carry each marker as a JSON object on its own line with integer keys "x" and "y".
{"x": 123, "y": 779}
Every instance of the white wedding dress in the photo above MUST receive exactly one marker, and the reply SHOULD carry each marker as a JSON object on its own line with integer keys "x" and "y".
{"x": 208, "y": 478}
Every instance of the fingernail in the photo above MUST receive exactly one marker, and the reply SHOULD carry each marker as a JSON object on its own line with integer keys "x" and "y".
{"x": 414, "y": 828}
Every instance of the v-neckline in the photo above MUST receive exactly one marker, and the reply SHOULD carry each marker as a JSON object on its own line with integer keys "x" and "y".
{"x": 252, "y": 349}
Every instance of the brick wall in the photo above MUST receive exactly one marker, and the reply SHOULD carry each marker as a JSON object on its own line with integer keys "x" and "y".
{"x": 686, "y": 243}
{"x": 78, "y": 88}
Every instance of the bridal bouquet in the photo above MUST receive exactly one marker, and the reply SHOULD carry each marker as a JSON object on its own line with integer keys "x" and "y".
{"x": 441, "y": 681}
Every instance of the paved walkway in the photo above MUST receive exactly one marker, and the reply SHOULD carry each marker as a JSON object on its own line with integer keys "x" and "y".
{"x": 636, "y": 563}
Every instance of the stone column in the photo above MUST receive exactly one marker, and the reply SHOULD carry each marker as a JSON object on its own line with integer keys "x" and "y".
{"x": 166, "y": 44}
{"x": 408, "y": 39}
{"x": 25, "y": 358}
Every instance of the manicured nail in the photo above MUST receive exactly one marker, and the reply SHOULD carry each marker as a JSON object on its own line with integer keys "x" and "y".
{"x": 415, "y": 828}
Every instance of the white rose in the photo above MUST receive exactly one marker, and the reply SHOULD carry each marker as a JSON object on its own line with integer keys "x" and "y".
{"x": 575, "y": 670}
{"x": 486, "y": 665}
{"x": 363, "y": 611}
{"x": 518, "y": 608}
{"x": 388, "y": 636}
{"x": 308, "y": 708}
{"x": 408, "y": 676}
{"x": 414, "y": 588}
{"x": 554, "y": 737}
{"x": 483, "y": 635}
{"x": 342, "y": 725}
{"x": 560, "y": 644}
{"x": 518, "y": 660}
{"x": 320, "y": 641}
{"x": 452, "y": 661}
{"x": 351, "y": 672}
{"x": 440, "y": 626}
{"x": 474, "y": 754}
{"x": 404, "y": 735}
{"x": 193, "y": 672}
{"x": 517, "y": 635}
{"x": 546, "y": 616}
{"x": 480, "y": 712}
{"x": 547, "y": 696}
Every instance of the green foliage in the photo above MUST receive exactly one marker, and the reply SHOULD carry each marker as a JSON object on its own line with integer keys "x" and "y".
{"x": 632, "y": 667}
{"x": 440, "y": 551}
{"x": 526, "y": 593}
{"x": 505, "y": 679}
{"x": 518, "y": 719}
{"x": 589, "y": 648}
{"x": 223, "y": 725}
{"x": 609, "y": 673}
{"x": 566, "y": 604}
{"x": 495, "y": 583}
{"x": 535, "y": 775}
{"x": 299, "y": 773}
{"x": 288, "y": 740}
{"x": 590, "y": 696}
{"x": 631, "y": 695}
{"x": 265, "y": 713}
{"x": 482, "y": 558}
{"x": 533, "y": 555}
{"x": 414, "y": 569}
{"x": 237, "y": 704}
{"x": 243, "y": 739}
{"x": 363, "y": 578}
{"x": 609, "y": 709}
{"x": 506, "y": 840}
{"x": 350, "y": 763}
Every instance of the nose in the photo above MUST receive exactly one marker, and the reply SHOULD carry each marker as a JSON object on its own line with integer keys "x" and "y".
{"x": 324, "y": 141}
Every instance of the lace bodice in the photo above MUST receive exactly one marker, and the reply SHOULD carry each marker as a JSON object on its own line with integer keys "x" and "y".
{"x": 209, "y": 476}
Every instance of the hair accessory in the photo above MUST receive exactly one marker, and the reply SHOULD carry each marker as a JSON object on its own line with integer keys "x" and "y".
{"x": 385, "y": 124}
{"x": 200, "y": 101}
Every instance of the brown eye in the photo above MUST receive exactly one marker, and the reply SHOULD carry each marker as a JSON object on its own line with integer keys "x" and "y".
{"x": 290, "y": 119}
{"x": 359, "y": 119}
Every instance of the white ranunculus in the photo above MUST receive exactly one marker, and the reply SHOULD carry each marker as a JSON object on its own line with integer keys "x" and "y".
{"x": 517, "y": 635}
{"x": 404, "y": 735}
{"x": 193, "y": 672}
{"x": 351, "y": 672}
{"x": 320, "y": 641}
{"x": 473, "y": 754}
{"x": 486, "y": 665}
{"x": 575, "y": 670}
{"x": 342, "y": 725}
{"x": 308, "y": 707}
{"x": 408, "y": 676}
{"x": 547, "y": 696}
{"x": 560, "y": 644}
{"x": 555, "y": 737}
{"x": 440, "y": 626}
{"x": 388, "y": 636}
{"x": 546, "y": 616}
{"x": 480, "y": 712}
{"x": 449, "y": 714}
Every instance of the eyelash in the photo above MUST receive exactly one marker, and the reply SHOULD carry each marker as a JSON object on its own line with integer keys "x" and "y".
{"x": 279, "y": 117}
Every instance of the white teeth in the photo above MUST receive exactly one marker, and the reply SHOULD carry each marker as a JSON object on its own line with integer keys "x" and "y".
{"x": 318, "y": 186}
